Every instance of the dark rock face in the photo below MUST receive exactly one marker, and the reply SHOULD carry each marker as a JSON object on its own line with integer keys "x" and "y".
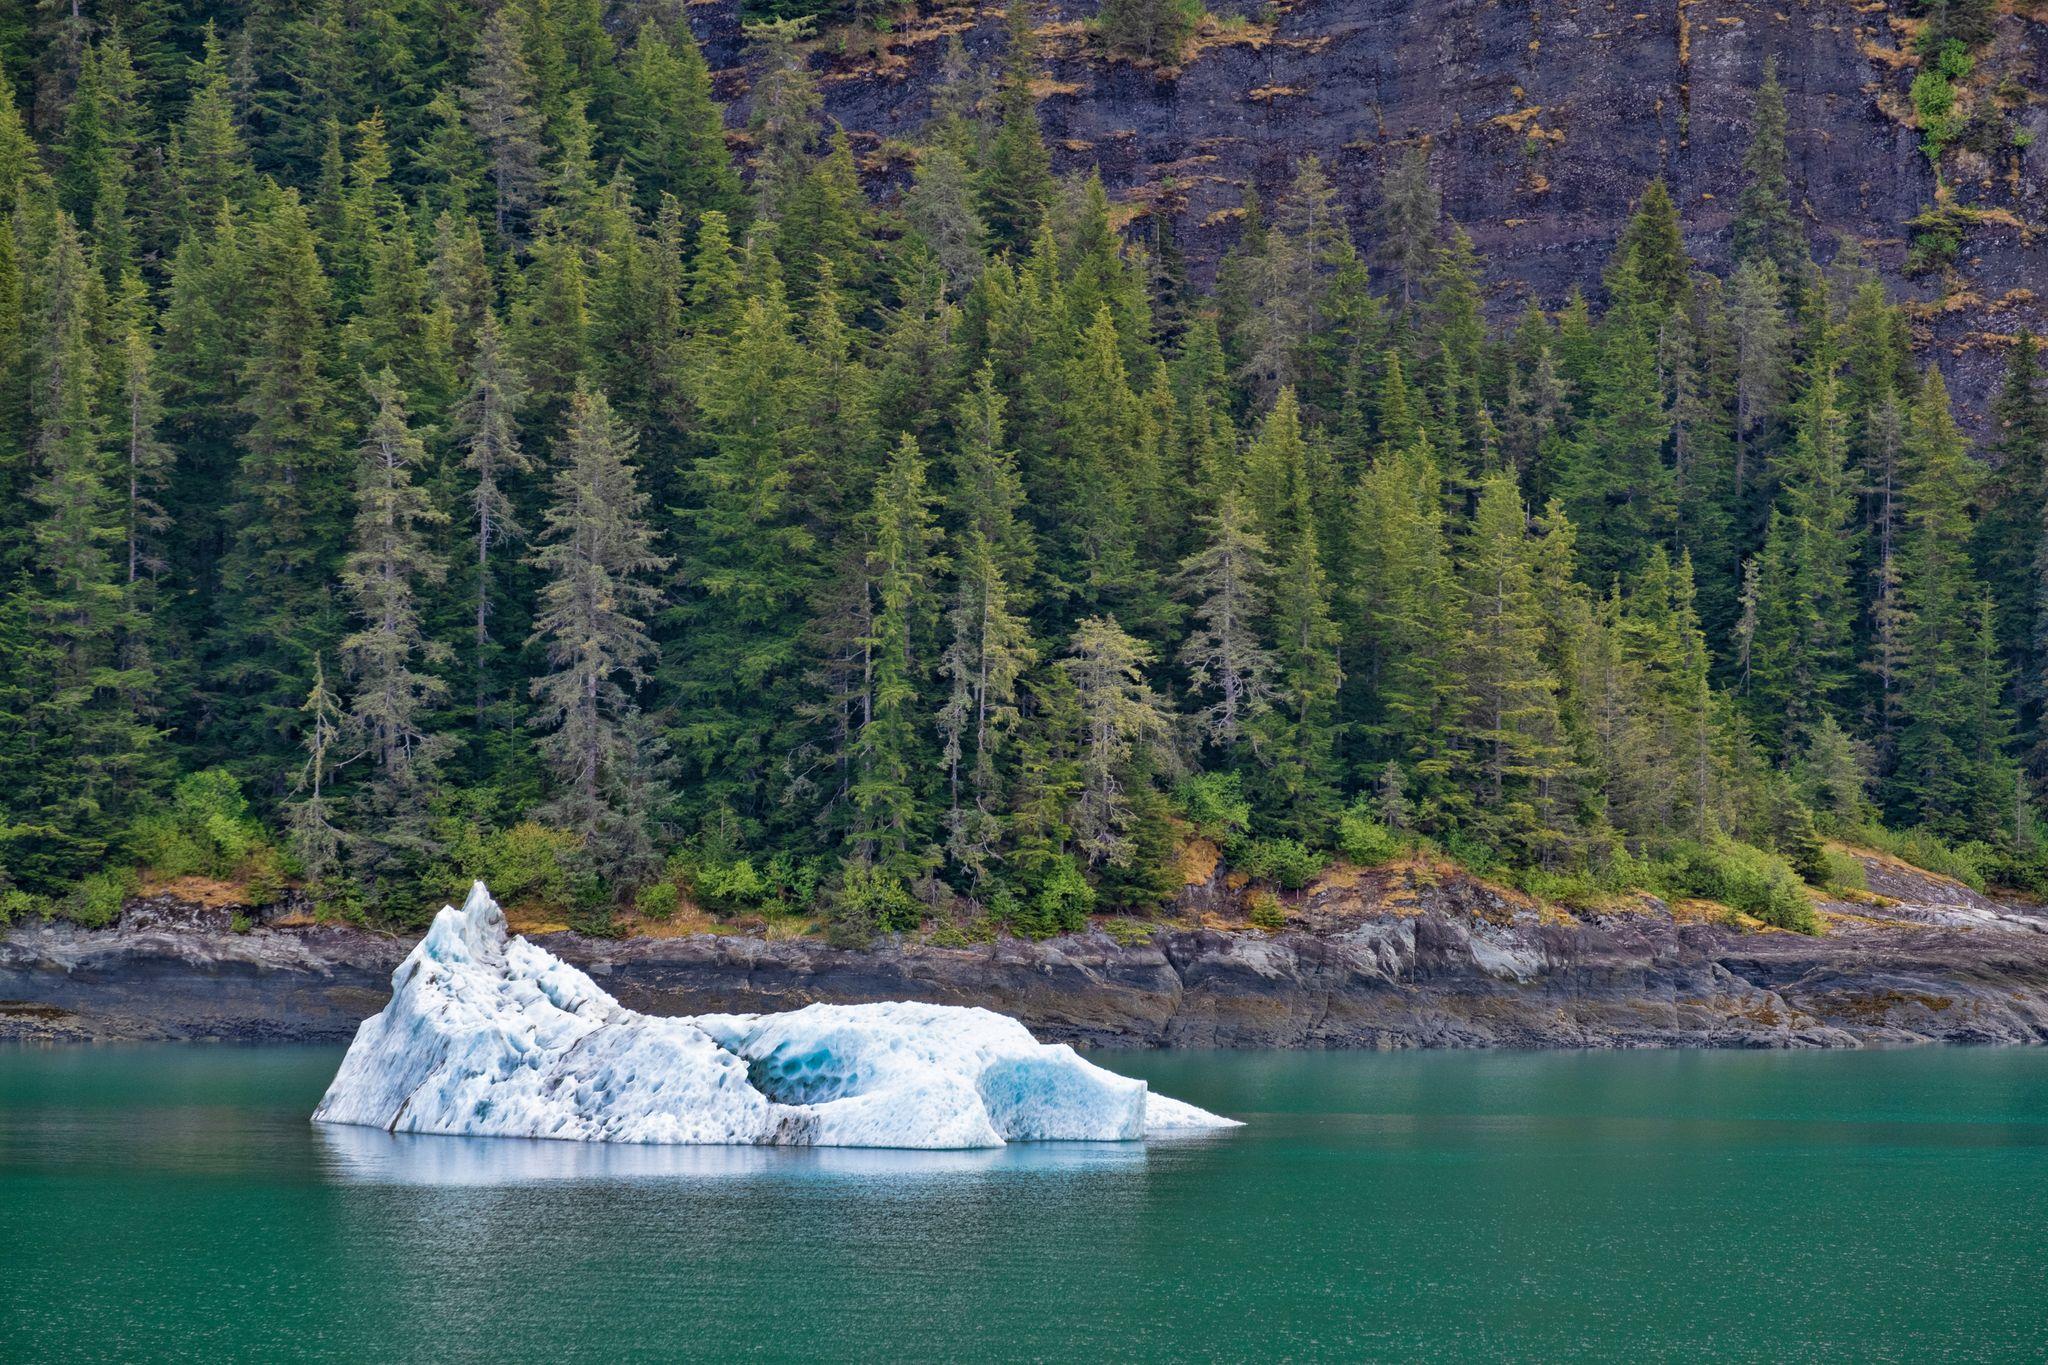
{"x": 1545, "y": 122}
{"x": 1376, "y": 963}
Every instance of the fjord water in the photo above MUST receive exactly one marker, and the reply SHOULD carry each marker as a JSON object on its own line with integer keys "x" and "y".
{"x": 174, "y": 1201}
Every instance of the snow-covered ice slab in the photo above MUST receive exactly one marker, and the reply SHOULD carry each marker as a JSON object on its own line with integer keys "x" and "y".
{"x": 503, "y": 1039}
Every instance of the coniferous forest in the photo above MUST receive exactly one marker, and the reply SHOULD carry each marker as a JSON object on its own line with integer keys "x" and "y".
{"x": 434, "y": 447}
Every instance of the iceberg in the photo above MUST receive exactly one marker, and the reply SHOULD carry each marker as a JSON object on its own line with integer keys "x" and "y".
{"x": 495, "y": 1037}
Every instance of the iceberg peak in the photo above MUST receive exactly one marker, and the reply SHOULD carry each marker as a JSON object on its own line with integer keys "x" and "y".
{"x": 489, "y": 1036}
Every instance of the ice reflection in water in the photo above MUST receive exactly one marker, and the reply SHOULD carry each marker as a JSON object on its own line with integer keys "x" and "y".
{"x": 371, "y": 1156}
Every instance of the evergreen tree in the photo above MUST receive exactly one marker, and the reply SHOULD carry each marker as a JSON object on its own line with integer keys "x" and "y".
{"x": 1510, "y": 725}
{"x": 501, "y": 103}
{"x": 489, "y": 430}
{"x": 1123, "y": 728}
{"x": 1155, "y": 31}
{"x": 75, "y": 745}
{"x": 596, "y": 553}
{"x": 1226, "y": 662}
{"x": 2009, "y": 532}
{"x": 1408, "y": 221}
{"x": 900, "y": 565}
{"x": 1800, "y": 649}
{"x": 1016, "y": 179}
{"x": 784, "y": 117}
{"x": 989, "y": 652}
{"x": 390, "y": 563}
{"x": 1765, "y": 229}
{"x": 676, "y": 132}
{"x": 1950, "y": 768}
{"x": 289, "y": 518}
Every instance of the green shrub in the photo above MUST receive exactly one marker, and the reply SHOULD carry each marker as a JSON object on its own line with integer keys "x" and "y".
{"x": 726, "y": 887}
{"x": 15, "y": 904}
{"x": 1289, "y": 862}
{"x": 1130, "y": 933}
{"x": 96, "y": 901}
{"x": 1844, "y": 873}
{"x": 1215, "y": 804}
{"x": 205, "y": 829}
{"x": 1060, "y": 903}
{"x": 1065, "y": 899}
{"x": 1264, "y": 910}
{"x": 1934, "y": 100}
{"x": 530, "y": 861}
{"x": 657, "y": 900}
{"x": 871, "y": 901}
{"x": 1968, "y": 863}
{"x": 1745, "y": 878}
{"x": 1362, "y": 839}
{"x": 1937, "y": 239}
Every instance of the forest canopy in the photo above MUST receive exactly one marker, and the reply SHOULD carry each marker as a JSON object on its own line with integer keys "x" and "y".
{"x": 432, "y": 445}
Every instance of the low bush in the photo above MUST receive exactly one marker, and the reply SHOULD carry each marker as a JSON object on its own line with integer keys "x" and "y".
{"x": 205, "y": 829}
{"x": 870, "y": 901}
{"x": 96, "y": 901}
{"x": 15, "y": 904}
{"x": 1288, "y": 862}
{"x": 1362, "y": 839}
{"x": 657, "y": 900}
{"x": 1215, "y": 804}
{"x": 1967, "y": 863}
{"x": 1743, "y": 877}
{"x": 1130, "y": 933}
{"x": 1264, "y": 910}
{"x": 1841, "y": 872}
{"x": 530, "y": 861}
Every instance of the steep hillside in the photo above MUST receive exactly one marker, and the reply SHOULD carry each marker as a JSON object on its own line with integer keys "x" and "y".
{"x": 1545, "y": 122}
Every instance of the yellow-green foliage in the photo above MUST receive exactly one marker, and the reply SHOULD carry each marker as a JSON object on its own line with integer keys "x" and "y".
{"x": 204, "y": 830}
{"x": 1743, "y": 877}
{"x": 1362, "y": 839}
{"x": 657, "y": 900}
{"x": 529, "y": 862}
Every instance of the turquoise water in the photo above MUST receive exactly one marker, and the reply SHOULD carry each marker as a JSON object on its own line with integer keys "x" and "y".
{"x": 174, "y": 1202}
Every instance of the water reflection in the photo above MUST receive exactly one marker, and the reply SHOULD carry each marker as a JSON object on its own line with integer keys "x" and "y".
{"x": 371, "y": 1156}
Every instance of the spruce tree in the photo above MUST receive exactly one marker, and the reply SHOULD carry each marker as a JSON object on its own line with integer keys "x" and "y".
{"x": 489, "y": 430}
{"x": 1227, "y": 664}
{"x": 1800, "y": 649}
{"x": 1765, "y": 230}
{"x": 675, "y": 141}
{"x": 1511, "y": 733}
{"x": 1154, "y": 31}
{"x": 501, "y": 101}
{"x": 989, "y": 651}
{"x": 76, "y": 744}
{"x": 597, "y": 556}
{"x": 1123, "y": 729}
{"x": 783, "y": 117}
{"x": 900, "y": 565}
{"x": 1948, "y": 769}
{"x": 391, "y": 564}
{"x": 289, "y": 516}
{"x": 1016, "y": 179}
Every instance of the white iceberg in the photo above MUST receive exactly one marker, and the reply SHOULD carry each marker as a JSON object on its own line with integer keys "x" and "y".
{"x": 487, "y": 1037}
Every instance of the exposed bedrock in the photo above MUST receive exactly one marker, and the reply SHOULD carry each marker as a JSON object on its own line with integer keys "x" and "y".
{"x": 1545, "y": 120}
{"x": 1444, "y": 966}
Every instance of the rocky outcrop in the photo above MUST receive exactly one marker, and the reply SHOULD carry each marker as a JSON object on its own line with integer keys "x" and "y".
{"x": 1378, "y": 960}
{"x": 1545, "y": 121}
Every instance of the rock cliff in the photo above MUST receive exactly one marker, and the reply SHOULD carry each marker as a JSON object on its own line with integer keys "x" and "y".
{"x": 1388, "y": 959}
{"x": 1544, "y": 119}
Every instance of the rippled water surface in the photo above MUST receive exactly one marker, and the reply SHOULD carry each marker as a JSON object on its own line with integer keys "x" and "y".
{"x": 174, "y": 1202}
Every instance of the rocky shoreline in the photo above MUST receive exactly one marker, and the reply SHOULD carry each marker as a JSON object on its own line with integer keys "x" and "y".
{"x": 1384, "y": 959}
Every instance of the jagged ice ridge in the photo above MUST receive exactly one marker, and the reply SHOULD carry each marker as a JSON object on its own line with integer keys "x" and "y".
{"x": 489, "y": 1037}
